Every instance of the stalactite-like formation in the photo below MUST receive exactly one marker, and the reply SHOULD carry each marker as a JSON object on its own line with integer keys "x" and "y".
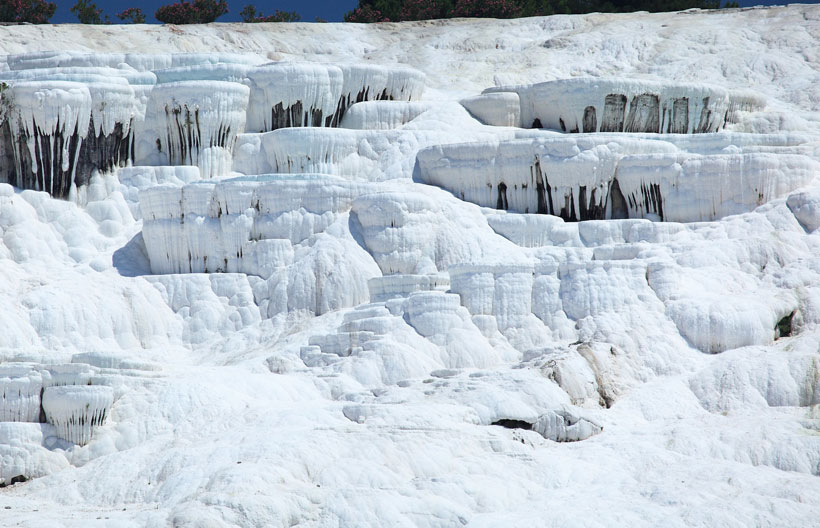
{"x": 314, "y": 95}
{"x": 629, "y": 105}
{"x": 75, "y": 410}
{"x": 676, "y": 178}
{"x": 47, "y": 122}
{"x": 201, "y": 121}
{"x": 104, "y": 152}
{"x": 61, "y": 395}
{"x": 614, "y": 112}
{"x": 58, "y": 132}
{"x": 20, "y": 389}
{"x": 66, "y": 115}
{"x": 229, "y": 226}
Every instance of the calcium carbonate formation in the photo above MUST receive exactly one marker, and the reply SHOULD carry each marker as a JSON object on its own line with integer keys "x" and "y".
{"x": 201, "y": 121}
{"x": 594, "y": 177}
{"x": 401, "y": 300}
{"x": 66, "y": 116}
{"x": 626, "y": 105}
{"x": 273, "y": 174}
{"x": 75, "y": 410}
{"x": 565, "y": 425}
{"x": 239, "y": 225}
{"x": 23, "y": 452}
{"x": 319, "y": 95}
{"x": 60, "y": 395}
{"x": 21, "y": 387}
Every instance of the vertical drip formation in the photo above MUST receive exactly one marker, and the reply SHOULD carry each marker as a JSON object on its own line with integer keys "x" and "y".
{"x": 66, "y": 116}
{"x": 647, "y": 199}
{"x": 201, "y": 121}
{"x": 618, "y": 208}
{"x": 47, "y": 122}
{"x": 590, "y": 119}
{"x": 678, "y": 122}
{"x": 687, "y": 175}
{"x": 75, "y": 410}
{"x": 602, "y": 177}
{"x": 628, "y": 105}
{"x": 58, "y": 394}
{"x": 575, "y": 203}
{"x": 644, "y": 114}
{"x": 59, "y": 130}
{"x": 20, "y": 389}
{"x": 614, "y": 112}
{"x": 292, "y": 95}
{"x": 315, "y": 95}
{"x": 226, "y": 227}
{"x": 104, "y": 152}
{"x": 109, "y": 142}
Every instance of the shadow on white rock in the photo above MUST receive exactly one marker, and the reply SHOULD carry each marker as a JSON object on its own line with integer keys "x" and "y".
{"x": 566, "y": 425}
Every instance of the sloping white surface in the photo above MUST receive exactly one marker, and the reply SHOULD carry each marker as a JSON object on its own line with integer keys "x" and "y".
{"x": 333, "y": 390}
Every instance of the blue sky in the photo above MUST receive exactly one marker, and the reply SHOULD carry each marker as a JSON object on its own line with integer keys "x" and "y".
{"x": 330, "y": 10}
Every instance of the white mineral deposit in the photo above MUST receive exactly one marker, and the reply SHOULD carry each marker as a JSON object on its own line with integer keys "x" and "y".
{"x": 554, "y": 271}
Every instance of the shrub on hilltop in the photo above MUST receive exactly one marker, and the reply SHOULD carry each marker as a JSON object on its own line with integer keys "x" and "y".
{"x": 33, "y": 11}
{"x": 132, "y": 15}
{"x": 488, "y": 9}
{"x": 365, "y": 14}
{"x": 424, "y": 9}
{"x": 88, "y": 12}
{"x": 403, "y": 10}
{"x": 249, "y": 14}
{"x": 198, "y": 12}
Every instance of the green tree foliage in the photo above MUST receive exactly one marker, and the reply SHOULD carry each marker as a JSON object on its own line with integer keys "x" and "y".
{"x": 365, "y": 14}
{"x": 33, "y": 11}
{"x": 196, "y": 12}
{"x": 399, "y": 10}
{"x": 424, "y": 9}
{"x": 386, "y": 9}
{"x": 487, "y": 9}
{"x": 88, "y": 12}
{"x": 249, "y": 14}
{"x": 132, "y": 15}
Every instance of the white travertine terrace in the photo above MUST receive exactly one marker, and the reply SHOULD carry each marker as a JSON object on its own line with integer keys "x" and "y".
{"x": 594, "y": 177}
{"x": 628, "y": 105}
{"x": 75, "y": 410}
{"x": 327, "y": 297}
{"x": 72, "y": 115}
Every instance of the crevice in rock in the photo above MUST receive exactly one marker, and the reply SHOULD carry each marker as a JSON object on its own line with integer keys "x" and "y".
{"x": 784, "y": 327}
{"x": 614, "y": 112}
{"x": 679, "y": 124}
{"x": 501, "y": 203}
{"x": 590, "y": 119}
{"x": 513, "y": 424}
{"x": 618, "y": 209}
{"x": 644, "y": 114}
{"x": 19, "y": 479}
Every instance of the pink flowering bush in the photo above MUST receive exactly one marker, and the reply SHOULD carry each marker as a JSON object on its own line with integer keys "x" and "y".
{"x": 249, "y": 14}
{"x": 132, "y": 15}
{"x": 198, "y": 12}
{"x": 88, "y": 12}
{"x": 486, "y": 9}
{"x": 421, "y": 10}
{"x": 365, "y": 14}
{"x": 33, "y": 11}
